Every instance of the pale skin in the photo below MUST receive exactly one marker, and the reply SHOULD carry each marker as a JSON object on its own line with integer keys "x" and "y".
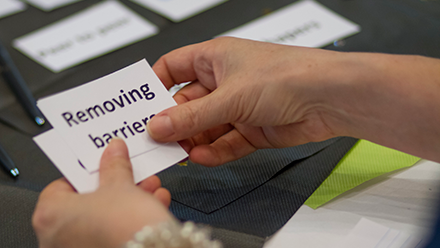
{"x": 246, "y": 96}
{"x": 249, "y": 95}
{"x": 106, "y": 218}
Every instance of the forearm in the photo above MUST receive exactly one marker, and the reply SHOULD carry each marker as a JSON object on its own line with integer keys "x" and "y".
{"x": 392, "y": 100}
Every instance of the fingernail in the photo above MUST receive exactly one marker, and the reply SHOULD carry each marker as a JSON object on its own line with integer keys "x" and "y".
{"x": 160, "y": 127}
{"x": 114, "y": 140}
{"x": 116, "y": 147}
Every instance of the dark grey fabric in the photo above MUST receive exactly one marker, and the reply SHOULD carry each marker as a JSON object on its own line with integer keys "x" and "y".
{"x": 16, "y": 207}
{"x": 18, "y": 196}
{"x": 36, "y": 170}
{"x": 208, "y": 189}
{"x": 231, "y": 239}
{"x": 262, "y": 211}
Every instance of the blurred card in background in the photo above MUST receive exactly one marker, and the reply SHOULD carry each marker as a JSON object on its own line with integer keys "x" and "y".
{"x": 9, "y": 7}
{"x": 305, "y": 23}
{"x": 178, "y": 10}
{"x": 98, "y": 30}
{"x": 48, "y": 5}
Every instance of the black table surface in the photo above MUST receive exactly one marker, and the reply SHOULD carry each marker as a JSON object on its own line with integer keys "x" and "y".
{"x": 388, "y": 26}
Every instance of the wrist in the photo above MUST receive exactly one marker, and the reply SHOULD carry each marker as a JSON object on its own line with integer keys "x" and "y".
{"x": 324, "y": 85}
{"x": 343, "y": 95}
{"x": 388, "y": 99}
{"x": 354, "y": 93}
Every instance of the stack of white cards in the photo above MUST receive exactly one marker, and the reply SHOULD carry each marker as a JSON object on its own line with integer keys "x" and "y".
{"x": 87, "y": 117}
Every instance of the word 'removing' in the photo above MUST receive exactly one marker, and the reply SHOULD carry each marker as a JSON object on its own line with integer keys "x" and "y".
{"x": 108, "y": 106}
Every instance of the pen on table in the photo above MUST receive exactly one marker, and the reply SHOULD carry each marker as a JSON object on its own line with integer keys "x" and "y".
{"x": 18, "y": 85}
{"x": 7, "y": 163}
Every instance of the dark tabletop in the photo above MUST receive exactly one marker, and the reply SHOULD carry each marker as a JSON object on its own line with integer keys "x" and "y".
{"x": 389, "y": 26}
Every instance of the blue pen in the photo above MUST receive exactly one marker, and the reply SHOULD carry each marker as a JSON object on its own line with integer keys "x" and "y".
{"x": 7, "y": 163}
{"x": 18, "y": 86}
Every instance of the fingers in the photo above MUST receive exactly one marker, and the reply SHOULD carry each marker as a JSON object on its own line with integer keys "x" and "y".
{"x": 151, "y": 184}
{"x": 229, "y": 147}
{"x": 205, "y": 105}
{"x": 190, "y": 63}
{"x": 52, "y": 198}
{"x": 177, "y": 66}
{"x": 58, "y": 186}
{"x": 190, "y": 92}
{"x": 164, "y": 196}
{"x": 186, "y": 144}
{"x": 115, "y": 167}
{"x": 211, "y": 135}
{"x": 191, "y": 118}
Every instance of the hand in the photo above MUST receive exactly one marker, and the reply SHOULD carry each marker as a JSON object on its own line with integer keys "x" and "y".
{"x": 108, "y": 217}
{"x": 245, "y": 95}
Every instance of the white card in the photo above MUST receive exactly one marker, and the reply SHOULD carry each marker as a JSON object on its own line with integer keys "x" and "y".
{"x": 305, "y": 23}
{"x": 9, "y": 7}
{"x": 84, "y": 182}
{"x": 178, "y": 10}
{"x": 48, "y": 5}
{"x": 67, "y": 163}
{"x": 95, "y": 31}
{"x": 89, "y": 116}
{"x": 369, "y": 234}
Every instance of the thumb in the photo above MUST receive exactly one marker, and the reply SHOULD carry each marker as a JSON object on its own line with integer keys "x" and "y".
{"x": 188, "y": 119}
{"x": 115, "y": 167}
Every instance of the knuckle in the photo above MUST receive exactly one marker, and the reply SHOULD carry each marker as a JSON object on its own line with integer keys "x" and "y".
{"x": 117, "y": 163}
{"x": 223, "y": 39}
{"x": 50, "y": 190}
{"x": 188, "y": 119}
{"x": 43, "y": 218}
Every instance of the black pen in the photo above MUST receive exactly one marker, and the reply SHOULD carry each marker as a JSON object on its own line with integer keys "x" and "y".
{"x": 7, "y": 163}
{"x": 17, "y": 84}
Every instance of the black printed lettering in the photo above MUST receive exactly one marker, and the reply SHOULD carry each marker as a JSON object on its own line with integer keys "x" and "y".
{"x": 89, "y": 110}
{"x": 69, "y": 118}
{"x": 80, "y": 115}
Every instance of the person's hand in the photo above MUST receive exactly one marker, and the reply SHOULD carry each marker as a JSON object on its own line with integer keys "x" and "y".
{"x": 247, "y": 95}
{"x": 244, "y": 95}
{"x": 108, "y": 217}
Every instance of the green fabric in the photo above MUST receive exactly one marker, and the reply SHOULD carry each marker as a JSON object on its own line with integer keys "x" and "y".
{"x": 363, "y": 162}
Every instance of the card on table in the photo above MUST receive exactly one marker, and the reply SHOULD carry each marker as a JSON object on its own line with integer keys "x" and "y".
{"x": 178, "y": 10}
{"x": 305, "y": 23}
{"x": 98, "y": 30}
{"x": 368, "y": 234}
{"x": 9, "y": 7}
{"x": 48, "y": 5}
{"x": 87, "y": 117}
